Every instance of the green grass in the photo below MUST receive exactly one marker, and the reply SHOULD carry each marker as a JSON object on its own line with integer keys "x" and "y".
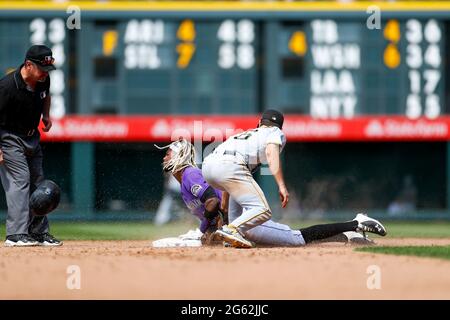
{"x": 418, "y": 229}
{"x": 113, "y": 230}
{"x": 441, "y": 252}
{"x": 399, "y": 229}
{"x": 146, "y": 230}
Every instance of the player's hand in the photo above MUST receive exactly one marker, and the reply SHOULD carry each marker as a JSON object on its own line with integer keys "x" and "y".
{"x": 1, "y": 157}
{"x": 284, "y": 196}
{"x": 47, "y": 123}
{"x": 208, "y": 237}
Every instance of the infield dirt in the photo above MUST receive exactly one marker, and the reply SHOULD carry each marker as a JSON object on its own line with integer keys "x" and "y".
{"x": 134, "y": 270}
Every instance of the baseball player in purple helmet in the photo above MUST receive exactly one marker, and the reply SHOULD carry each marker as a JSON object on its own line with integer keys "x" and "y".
{"x": 202, "y": 200}
{"x": 205, "y": 202}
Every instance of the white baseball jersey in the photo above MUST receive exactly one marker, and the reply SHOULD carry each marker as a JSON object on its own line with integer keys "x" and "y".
{"x": 252, "y": 144}
{"x": 223, "y": 169}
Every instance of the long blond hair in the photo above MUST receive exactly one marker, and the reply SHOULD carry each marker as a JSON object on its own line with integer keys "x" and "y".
{"x": 183, "y": 155}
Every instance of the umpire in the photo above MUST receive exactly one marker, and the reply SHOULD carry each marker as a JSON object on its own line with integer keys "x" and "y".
{"x": 24, "y": 99}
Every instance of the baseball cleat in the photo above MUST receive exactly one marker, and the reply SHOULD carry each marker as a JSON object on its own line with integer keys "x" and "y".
{"x": 366, "y": 224}
{"x": 20, "y": 240}
{"x": 46, "y": 240}
{"x": 357, "y": 238}
{"x": 233, "y": 237}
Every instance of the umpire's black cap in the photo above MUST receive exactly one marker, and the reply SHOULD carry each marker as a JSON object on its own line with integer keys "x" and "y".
{"x": 42, "y": 56}
{"x": 272, "y": 117}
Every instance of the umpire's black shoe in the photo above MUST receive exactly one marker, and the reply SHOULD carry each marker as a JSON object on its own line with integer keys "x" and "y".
{"x": 46, "y": 239}
{"x": 20, "y": 240}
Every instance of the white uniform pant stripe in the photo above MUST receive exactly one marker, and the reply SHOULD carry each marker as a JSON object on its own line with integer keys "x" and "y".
{"x": 229, "y": 173}
{"x": 246, "y": 218}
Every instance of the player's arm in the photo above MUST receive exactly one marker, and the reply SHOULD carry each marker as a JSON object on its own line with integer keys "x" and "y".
{"x": 273, "y": 160}
{"x": 211, "y": 202}
{"x": 212, "y": 214}
{"x": 225, "y": 202}
{"x": 46, "y": 114}
{"x": 46, "y": 109}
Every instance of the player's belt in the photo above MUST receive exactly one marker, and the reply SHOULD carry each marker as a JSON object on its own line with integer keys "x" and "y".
{"x": 234, "y": 153}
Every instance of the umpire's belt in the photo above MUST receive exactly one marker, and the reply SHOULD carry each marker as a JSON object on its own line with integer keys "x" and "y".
{"x": 20, "y": 131}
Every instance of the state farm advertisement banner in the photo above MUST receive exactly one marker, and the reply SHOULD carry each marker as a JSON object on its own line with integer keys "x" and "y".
{"x": 208, "y": 128}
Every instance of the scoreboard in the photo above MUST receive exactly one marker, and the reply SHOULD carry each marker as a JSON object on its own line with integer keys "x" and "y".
{"x": 189, "y": 66}
{"x": 351, "y": 70}
{"x": 16, "y": 35}
{"x": 320, "y": 60}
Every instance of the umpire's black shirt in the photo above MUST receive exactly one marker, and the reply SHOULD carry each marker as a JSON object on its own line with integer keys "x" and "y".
{"x": 21, "y": 108}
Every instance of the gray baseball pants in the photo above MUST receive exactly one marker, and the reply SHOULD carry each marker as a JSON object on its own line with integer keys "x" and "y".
{"x": 230, "y": 173}
{"x": 20, "y": 173}
{"x": 269, "y": 233}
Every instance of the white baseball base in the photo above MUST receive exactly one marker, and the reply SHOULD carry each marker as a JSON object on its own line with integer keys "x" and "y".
{"x": 189, "y": 239}
{"x": 175, "y": 243}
